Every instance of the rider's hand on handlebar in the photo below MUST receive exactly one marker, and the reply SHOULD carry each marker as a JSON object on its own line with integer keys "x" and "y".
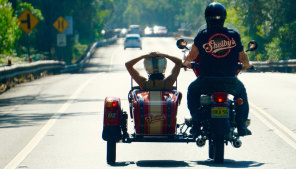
{"x": 250, "y": 68}
{"x": 186, "y": 64}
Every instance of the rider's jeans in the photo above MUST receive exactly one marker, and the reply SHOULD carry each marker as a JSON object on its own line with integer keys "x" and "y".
{"x": 205, "y": 85}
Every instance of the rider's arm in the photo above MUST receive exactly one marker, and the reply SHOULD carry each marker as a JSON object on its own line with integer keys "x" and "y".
{"x": 193, "y": 54}
{"x": 243, "y": 58}
{"x": 134, "y": 73}
{"x": 170, "y": 80}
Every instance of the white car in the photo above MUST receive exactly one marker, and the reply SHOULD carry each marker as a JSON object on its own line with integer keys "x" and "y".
{"x": 132, "y": 41}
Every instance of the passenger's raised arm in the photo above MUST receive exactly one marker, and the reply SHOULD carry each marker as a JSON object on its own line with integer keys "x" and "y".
{"x": 133, "y": 72}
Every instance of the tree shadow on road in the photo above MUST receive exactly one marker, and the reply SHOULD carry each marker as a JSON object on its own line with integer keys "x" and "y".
{"x": 17, "y": 120}
{"x": 38, "y": 99}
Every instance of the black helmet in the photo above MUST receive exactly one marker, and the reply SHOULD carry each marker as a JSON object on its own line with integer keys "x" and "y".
{"x": 215, "y": 14}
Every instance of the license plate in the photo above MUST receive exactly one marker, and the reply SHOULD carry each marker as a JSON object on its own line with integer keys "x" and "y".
{"x": 220, "y": 112}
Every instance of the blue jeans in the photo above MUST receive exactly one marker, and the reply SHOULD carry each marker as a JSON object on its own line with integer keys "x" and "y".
{"x": 231, "y": 85}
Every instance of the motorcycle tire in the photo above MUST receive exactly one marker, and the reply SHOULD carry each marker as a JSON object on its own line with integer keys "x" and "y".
{"x": 211, "y": 149}
{"x": 111, "y": 152}
{"x": 219, "y": 149}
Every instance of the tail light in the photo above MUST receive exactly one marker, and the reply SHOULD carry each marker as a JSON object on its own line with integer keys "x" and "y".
{"x": 110, "y": 103}
{"x": 220, "y": 97}
{"x": 112, "y": 111}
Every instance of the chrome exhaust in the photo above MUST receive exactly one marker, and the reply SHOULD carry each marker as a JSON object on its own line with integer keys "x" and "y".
{"x": 236, "y": 143}
{"x": 200, "y": 141}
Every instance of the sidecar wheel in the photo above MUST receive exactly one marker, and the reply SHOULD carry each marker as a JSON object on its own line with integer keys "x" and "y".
{"x": 111, "y": 152}
{"x": 219, "y": 149}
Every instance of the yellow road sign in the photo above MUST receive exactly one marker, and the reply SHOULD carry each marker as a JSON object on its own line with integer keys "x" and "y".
{"x": 27, "y": 21}
{"x": 61, "y": 24}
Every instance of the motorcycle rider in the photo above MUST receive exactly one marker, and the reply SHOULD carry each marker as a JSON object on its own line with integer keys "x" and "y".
{"x": 155, "y": 66}
{"x": 219, "y": 50}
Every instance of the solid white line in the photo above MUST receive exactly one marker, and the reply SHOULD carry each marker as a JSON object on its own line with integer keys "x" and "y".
{"x": 274, "y": 129}
{"x": 112, "y": 57}
{"x": 276, "y": 122}
{"x": 278, "y": 132}
{"x": 13, "y": 164}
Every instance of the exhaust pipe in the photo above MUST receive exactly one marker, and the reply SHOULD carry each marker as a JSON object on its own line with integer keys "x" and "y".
{"x": 236, "y": 143}
{"x": 200, "y": 141}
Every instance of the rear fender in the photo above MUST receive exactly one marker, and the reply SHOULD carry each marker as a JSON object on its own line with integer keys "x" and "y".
{"x": 220, "y": 126}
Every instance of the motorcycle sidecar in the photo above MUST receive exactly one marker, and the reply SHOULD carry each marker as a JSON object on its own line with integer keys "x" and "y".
{"x": 154, "y": 114}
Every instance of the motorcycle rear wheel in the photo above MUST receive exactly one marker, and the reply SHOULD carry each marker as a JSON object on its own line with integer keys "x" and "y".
{"x": 211, "y": 149}
{"x": 111, "y": 152}
{"x": 218, "y": 149}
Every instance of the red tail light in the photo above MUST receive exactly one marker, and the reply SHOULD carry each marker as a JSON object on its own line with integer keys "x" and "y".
{"x": 110, "y": 103}
{"x": 114, "y": 104}
{"x": 220, "y": 97}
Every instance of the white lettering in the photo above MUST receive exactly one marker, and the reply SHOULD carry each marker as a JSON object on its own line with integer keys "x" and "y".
{"x": 213, "y": 47}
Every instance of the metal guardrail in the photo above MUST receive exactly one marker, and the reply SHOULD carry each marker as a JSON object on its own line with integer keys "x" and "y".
{"x": 10, "y": 74}
{"x": 288, "y": 66}
{"x": 16, "y": 70}
{"x": 86, "y": 57}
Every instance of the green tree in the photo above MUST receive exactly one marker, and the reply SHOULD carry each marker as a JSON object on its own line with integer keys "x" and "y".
{"x": 9, "y": 31}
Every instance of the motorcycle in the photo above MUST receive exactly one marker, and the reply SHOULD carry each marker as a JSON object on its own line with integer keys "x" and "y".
{"x": 154, "y": 114}
{"x": 218, "y": 124}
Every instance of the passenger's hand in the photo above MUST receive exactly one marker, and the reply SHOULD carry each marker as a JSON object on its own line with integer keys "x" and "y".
{"x": 157, "y": 55}
{"x": 153, "y": 54}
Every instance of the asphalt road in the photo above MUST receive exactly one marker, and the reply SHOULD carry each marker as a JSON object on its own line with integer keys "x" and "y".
{"x": 56, "y": 122}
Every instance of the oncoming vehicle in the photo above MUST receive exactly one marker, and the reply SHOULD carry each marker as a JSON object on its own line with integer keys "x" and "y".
{"x": 160, "y": 31}
{"x": 134, "y": 29}
{"x": 133, "y": 41}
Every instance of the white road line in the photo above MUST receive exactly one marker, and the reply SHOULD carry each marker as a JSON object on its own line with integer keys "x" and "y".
{"x": 276, "y": 122}
{"x": 13, "y": 164}
{"x": 282, "y": 134}
{"x": 112, "y": 57}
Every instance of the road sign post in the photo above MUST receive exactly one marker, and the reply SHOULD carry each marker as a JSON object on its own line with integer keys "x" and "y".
{"x": 27, "y": 23}
{"x": 61, "y": 24}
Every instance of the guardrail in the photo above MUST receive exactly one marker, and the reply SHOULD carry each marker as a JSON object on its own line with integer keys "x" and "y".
{"x": 287, "y": 66}
{"x": 86, "y": 57}
{"x": 9, "y": 75}
{"x": 35, "y": 67}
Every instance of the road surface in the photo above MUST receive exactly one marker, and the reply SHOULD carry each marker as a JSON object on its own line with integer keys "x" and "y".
{"x": 56, "y": 122}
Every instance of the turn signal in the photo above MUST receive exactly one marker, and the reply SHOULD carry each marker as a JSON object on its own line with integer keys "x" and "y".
{"x": 239, "y": 101}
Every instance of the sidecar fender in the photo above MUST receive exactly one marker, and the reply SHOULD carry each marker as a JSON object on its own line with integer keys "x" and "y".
{"x": 112, "y": 117}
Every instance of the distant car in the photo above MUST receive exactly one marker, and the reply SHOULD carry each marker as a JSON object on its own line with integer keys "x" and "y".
{"x": 134, "y": 29}
{"x": 132, "y": 41}
{"x": 123, "y": 32}
{"x": 148, "y": 31}
{"x": 160, "y": 31}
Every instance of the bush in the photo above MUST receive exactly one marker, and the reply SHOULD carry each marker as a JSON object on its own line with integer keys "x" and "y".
{"x": 78, "y": 51}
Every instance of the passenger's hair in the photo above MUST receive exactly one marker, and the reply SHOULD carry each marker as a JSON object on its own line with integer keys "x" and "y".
{"x": 156, "y": 76}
